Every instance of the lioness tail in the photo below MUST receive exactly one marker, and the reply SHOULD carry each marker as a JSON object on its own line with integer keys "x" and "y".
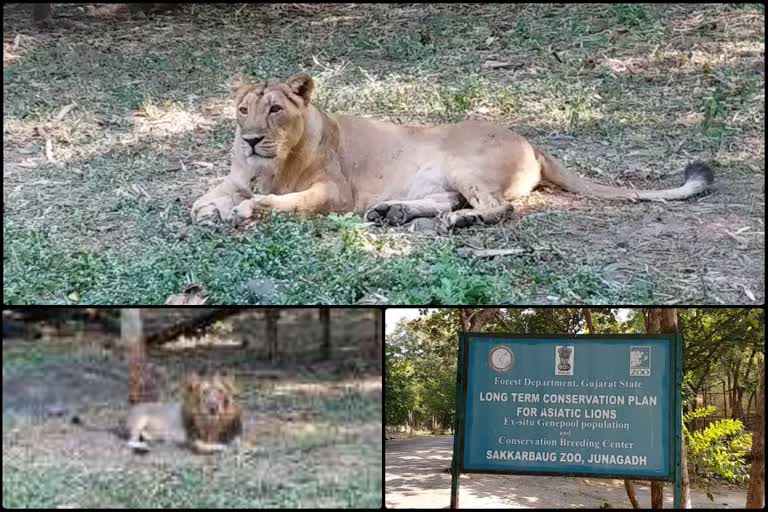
{"x": 698, "y": 178}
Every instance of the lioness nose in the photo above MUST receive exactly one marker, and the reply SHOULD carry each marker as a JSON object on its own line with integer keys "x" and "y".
{"x": 253, "y": 140}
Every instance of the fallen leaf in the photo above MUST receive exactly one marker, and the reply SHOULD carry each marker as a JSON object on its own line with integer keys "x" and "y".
{"x": 64, "y": 111}
{"x": 488, "y": 253}
{"x": 30, "y": 149}
{"x": 193, "y": 294}
{"x": 497, "y": 64}
{"x": 74, "y": 297}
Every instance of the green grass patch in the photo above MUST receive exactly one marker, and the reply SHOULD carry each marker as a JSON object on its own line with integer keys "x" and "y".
{"x": 296, "y": 254}
{"x": 57, "y": 484}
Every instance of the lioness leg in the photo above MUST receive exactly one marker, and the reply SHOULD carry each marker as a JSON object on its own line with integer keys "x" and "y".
{"x": 399, "y": 212}
{"x": 219, "y": 201}
{"x": 470, "y": 216}
{"x": 321, "y": 197}
{"x": 487, "y": 207}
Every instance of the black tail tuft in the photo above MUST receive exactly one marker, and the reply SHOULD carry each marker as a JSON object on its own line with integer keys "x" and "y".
{"x": 699, "y": 171}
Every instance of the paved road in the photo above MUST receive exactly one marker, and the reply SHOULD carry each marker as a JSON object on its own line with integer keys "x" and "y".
{"x": 416, "y": 478}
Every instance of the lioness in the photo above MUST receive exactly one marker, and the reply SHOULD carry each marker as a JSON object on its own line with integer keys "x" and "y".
{"x": 290, "y": 156}
{"x": 207, "y": 419}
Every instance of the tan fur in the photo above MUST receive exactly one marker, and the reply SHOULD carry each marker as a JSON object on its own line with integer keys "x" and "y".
{"x": 207, "y": 418}
{"x": 305, "y": 160}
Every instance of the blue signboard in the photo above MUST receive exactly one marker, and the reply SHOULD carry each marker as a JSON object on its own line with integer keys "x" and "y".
{"x": 586, "y": 405}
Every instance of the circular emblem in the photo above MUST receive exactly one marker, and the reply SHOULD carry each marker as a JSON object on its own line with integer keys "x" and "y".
{"x": 501, "y": 358}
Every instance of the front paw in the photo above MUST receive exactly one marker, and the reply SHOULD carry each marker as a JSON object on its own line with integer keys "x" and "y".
{"x": 207, "y": 212}
{"x": 241, "y": 213}
{"x": 246, "y": 210}
{"x": 210, "y": 210}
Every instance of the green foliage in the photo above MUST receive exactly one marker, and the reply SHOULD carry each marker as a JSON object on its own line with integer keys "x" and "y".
{"x": 714, "y": 107}
{"x": 701, "y": 412}
{"x": 632, "y": 15}
{"x": 719, "y": 448}
{"x": 420, "y": 377}
{"x": 348, "y": 225}
{"x": 464, "y": 98}
{"x": 401, "y": 390}
{"x": 403, "y": 48}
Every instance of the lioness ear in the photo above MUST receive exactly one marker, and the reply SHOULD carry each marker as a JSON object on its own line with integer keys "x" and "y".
{"x": 302, "y": 85}
{"x": 237, "y": 82}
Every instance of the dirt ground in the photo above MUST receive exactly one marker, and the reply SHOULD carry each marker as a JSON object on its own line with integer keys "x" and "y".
{"x": 416, "y": 477}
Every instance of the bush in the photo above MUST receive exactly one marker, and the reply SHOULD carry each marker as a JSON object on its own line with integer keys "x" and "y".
{"x": 719, "y": 448}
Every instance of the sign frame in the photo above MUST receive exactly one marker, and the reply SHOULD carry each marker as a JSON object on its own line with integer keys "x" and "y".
{"x": 674, "y": 417}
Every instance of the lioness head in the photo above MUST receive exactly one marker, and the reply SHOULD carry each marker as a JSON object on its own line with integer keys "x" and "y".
{"x": 270, "y": 114}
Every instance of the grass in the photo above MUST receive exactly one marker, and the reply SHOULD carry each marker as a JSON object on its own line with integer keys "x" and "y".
{"x": 432, "y": 273}
{"x": 187, "y": 487}
{"x": 623, "y": 93}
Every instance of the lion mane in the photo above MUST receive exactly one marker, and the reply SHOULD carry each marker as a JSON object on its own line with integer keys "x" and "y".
{"x": 210, "y": 413}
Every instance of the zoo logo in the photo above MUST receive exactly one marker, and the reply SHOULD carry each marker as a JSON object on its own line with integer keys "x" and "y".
{"x": 639, "y": 361}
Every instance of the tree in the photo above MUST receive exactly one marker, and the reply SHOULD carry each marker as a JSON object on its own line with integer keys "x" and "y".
{"x": 664, "y": 320}
{"x": 325, "y": 321}
{"x": 715, "y": 344}
{"x": 378, "y": 333}
{"x": 755, "y": 496}
{"x": 272, "y": 316}
{"x": 142, "y": 385}
{"x": 400, "y": 388}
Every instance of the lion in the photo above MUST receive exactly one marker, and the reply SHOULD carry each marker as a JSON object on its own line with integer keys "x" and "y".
{"x": 207, "y": 419}
{"x": 288, "y": 155}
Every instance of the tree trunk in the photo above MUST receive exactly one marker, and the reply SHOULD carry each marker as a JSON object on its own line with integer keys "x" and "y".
{"x": 142, "y": 386}
{"x": 664, "y": 320}
{"x": 629, "y": 486}
{"x": 657, "y": 494}
{"x": 734, "y": 392}
{"x": 41, "y": 14}
{"x": 272, "y": 316}
{"x": 474, "y": 319}
{"x": 191, "y": 326}
{"x": 378, "y": 333}
{"x": 325, "y": 321}
{"x": 755, "y": 490}
{"x": 588, "y": 319}
{"x": 685, "y": 483}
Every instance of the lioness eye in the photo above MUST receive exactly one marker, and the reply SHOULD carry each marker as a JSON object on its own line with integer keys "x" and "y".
{"x": 243, "y": 110}
{"x": 275, "y": 108}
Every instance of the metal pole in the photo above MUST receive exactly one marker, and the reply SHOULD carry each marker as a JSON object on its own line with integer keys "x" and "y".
{"x": 678, "y": 423}
{"x": 458, "y": 427}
